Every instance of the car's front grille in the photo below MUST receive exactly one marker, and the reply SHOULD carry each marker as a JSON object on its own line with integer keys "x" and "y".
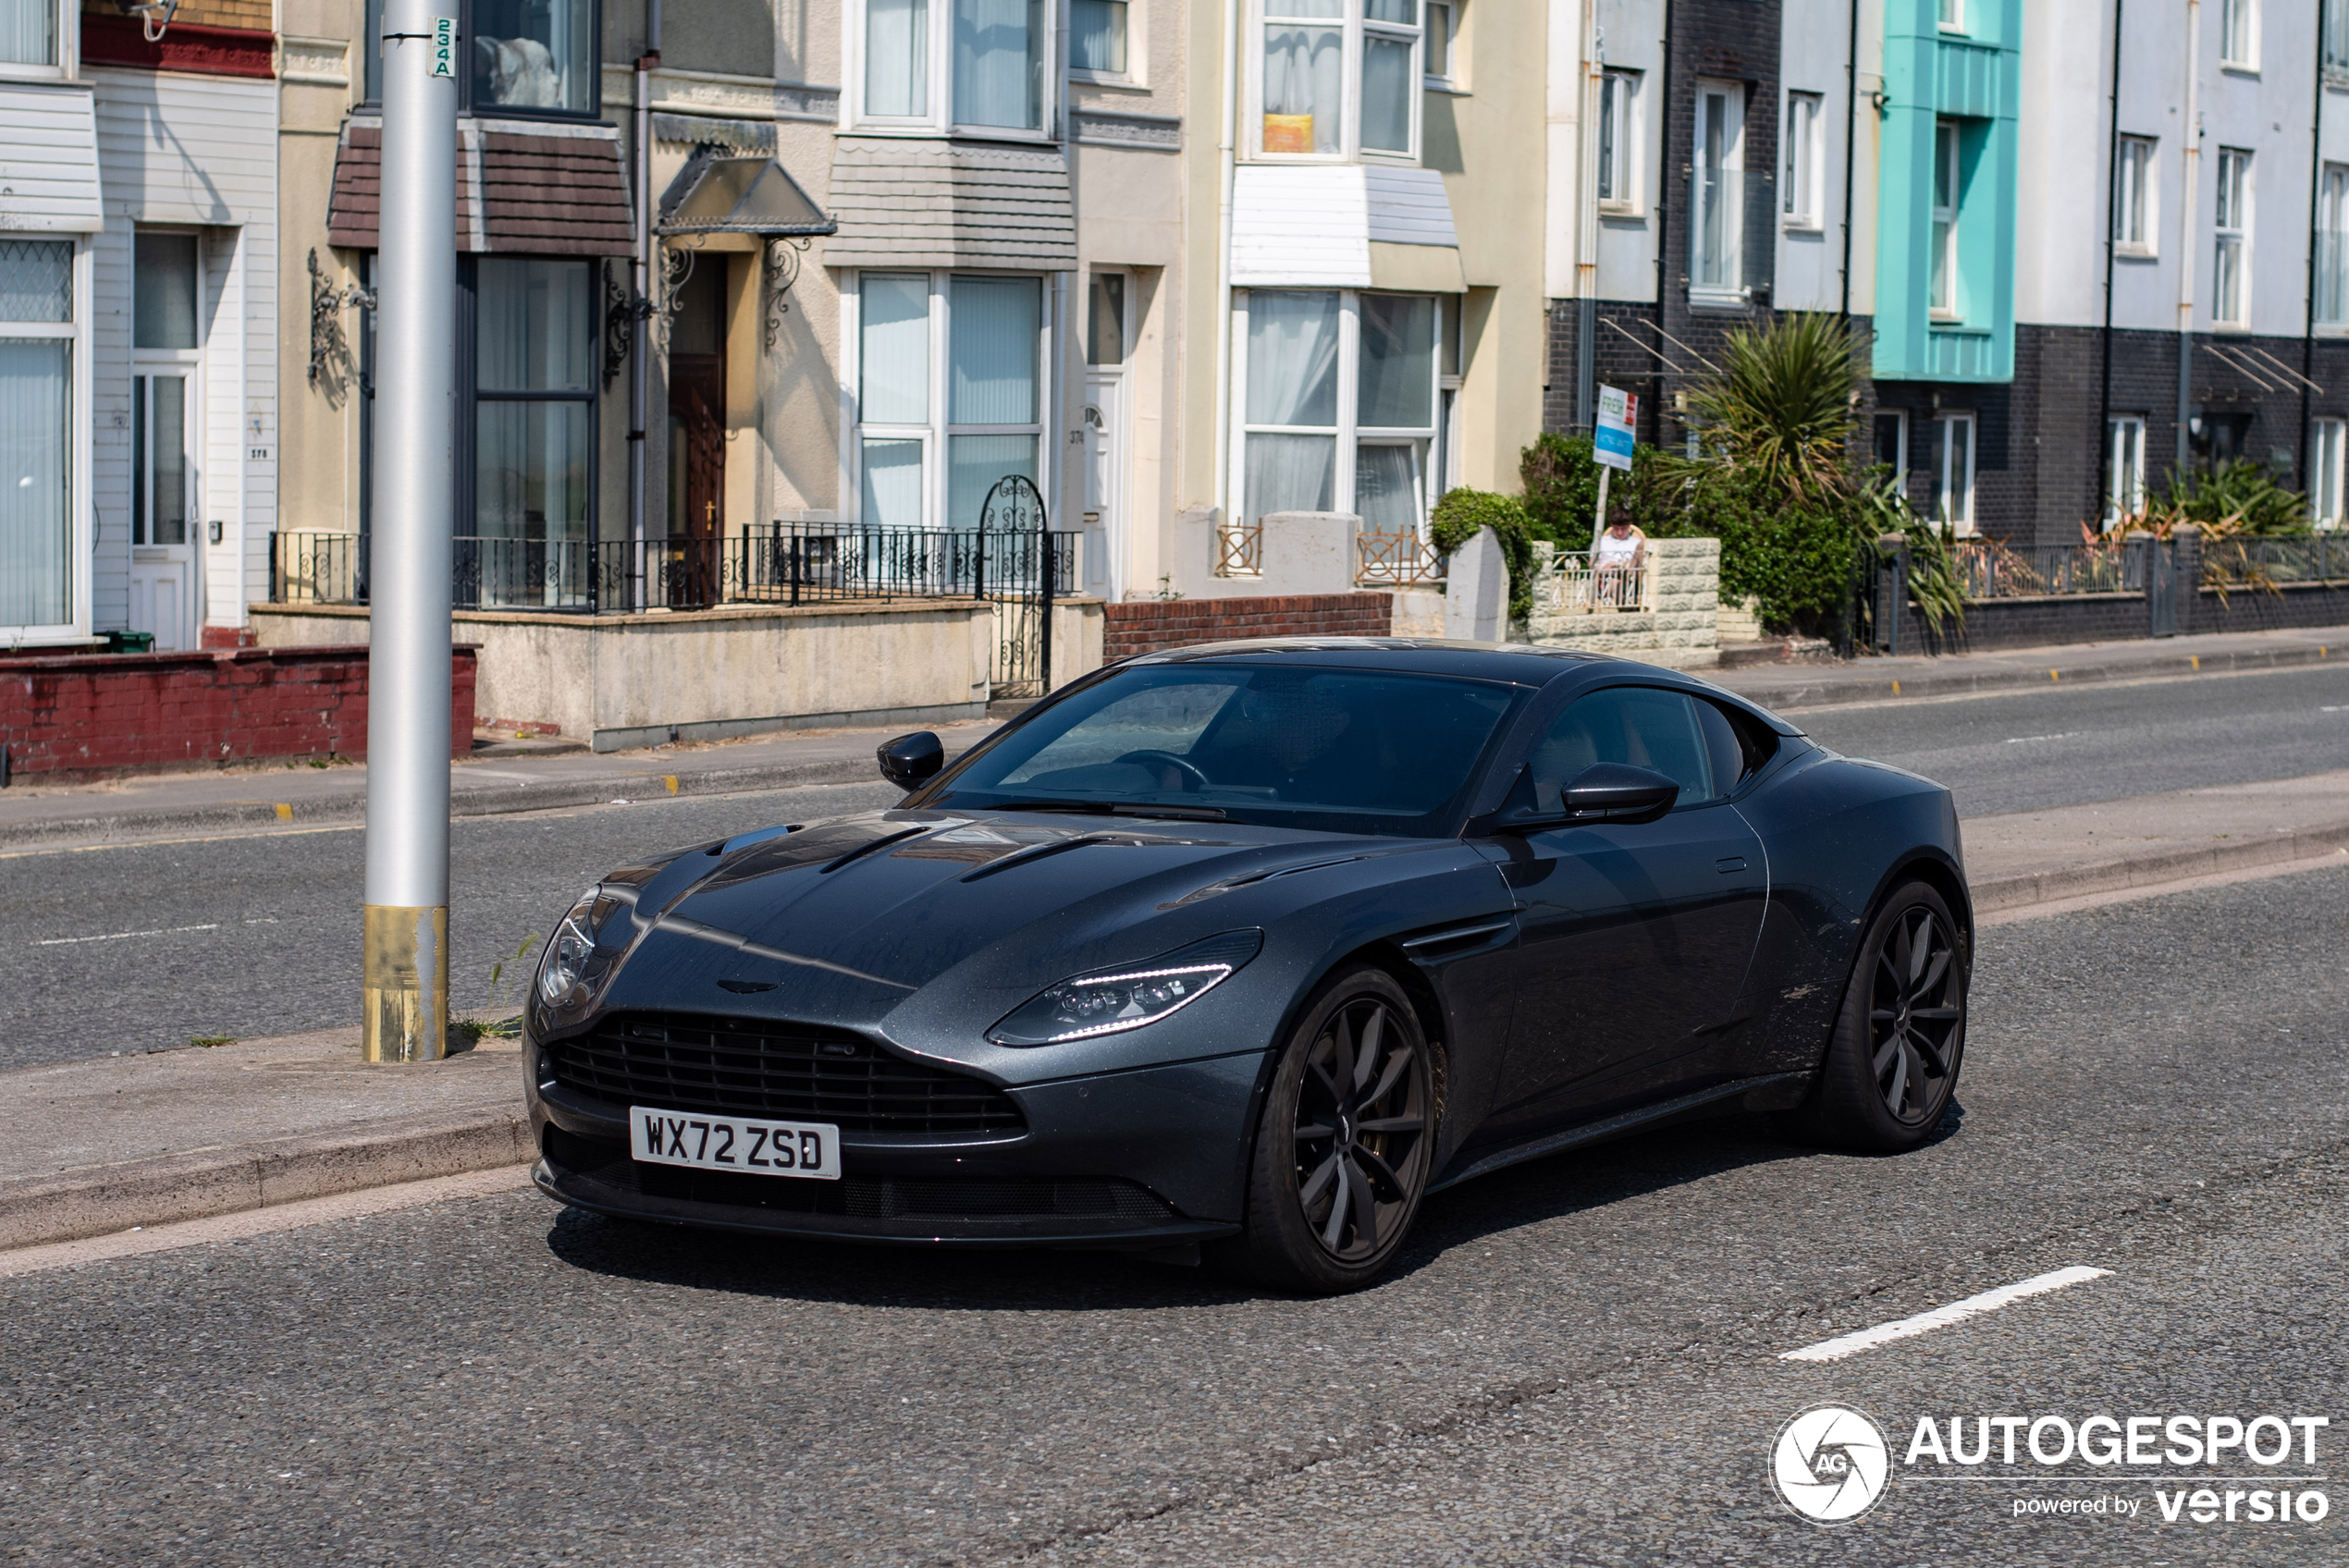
{"x": 788, "y": 1071}
{"x": 1004, "y": 1200}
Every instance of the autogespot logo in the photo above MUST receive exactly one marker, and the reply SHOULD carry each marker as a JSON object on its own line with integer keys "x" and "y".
{"x": 1831, "y": 1464}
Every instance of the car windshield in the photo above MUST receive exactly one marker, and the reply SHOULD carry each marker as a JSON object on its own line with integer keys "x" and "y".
{"x": 1345, "y": 750}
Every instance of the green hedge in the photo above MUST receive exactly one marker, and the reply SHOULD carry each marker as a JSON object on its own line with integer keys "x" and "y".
{"x": 1463, "y": 513}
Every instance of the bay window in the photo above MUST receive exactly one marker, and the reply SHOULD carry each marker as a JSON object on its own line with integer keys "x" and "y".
{"x": 29, "y": 32}
{"x": 1338, "y": 408}
{"x": 1717, "y": 227}
{"x": 932, "y": 65}
{"x": 532, "y": 57}
{"x": 950, "y": 395}
{"x": 1339, "y": 78}
{"x": 36, "y": 426}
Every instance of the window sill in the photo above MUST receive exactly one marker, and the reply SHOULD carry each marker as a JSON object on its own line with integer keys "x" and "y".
{"x": 1719, "y": 299}
{"x": 2231, "y": 328}
{"x": 955, "y": 133}
{"x": 1620, "y": 212}
{"x": 13, "y": 72}
{"x": 1445, "y": 85}
{"x": 2331, "y": 329}
{"x": 1803, "y": 226}
{"x": 1128, "y": 83}
{"x": 2238, "y": 68}
{"x": 2135, "y": 253}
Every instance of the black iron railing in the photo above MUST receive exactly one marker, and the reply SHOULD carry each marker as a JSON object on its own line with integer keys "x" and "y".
{"x": 771, "y": 564}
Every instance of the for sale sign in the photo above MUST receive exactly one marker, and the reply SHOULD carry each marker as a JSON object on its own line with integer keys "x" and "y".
{"x": 1611, "y": 435}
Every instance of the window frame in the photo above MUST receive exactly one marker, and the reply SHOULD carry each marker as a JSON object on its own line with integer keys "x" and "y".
{"x": 1618, "y": 147}
{"x": 2124, "y": 473}
{"x": 2136, "y": 198}
{"x": 938, "y": 431}
{"x": 2330, "y": 306}
{"x": 64, "y": 50}
{"x": 941, "y": 120}
{"x": 1803, "y": 147}
{"x": 2232, "y": 199}
{"x": 1948, "y": 161}
{"x": 2332, "y": 38}
{"x": 1949, "y": 16}
{"x": 1730, "y": 290}
{"x": 472, "y": 397}
{"x": 2239, "y": 31}
{"x": 369, "y": 76}
{"x": 1132, "y": 75}
{"x": 1960, "y": 519}
{"x": 1450, "y": 79}
{"x": 1348, "y": 435}
{"x": 1354, "y": 29}
{"x": 1901, "y": 441}
{"x": 2327, "y": 475}
{"x": 75, "y": 332}
{"x": 144, "y": 365}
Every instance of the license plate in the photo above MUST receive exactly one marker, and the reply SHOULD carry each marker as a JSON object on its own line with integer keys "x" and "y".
{"x": 729, "y": 1142}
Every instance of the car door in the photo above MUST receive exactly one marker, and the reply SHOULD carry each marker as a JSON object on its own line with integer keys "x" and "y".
{"x": 1635, "y": 937}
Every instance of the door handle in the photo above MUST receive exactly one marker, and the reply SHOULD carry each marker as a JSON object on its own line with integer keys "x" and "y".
{"x": 1729, "y": 863}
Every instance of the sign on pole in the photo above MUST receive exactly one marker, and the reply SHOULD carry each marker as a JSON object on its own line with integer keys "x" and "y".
{"x": 1611, "y": 443}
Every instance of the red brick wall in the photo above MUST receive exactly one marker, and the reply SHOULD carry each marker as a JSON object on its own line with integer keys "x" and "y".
{"x": 1144, "y": 626}
{"x": 82, "y": 715}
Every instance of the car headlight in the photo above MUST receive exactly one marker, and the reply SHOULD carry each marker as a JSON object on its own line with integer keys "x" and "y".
{"x": 567, "y": 973}
{"x": 1109, "y": 1001}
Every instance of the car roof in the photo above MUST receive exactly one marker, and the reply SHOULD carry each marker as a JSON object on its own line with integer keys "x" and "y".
{"x": 1522, "y": 664}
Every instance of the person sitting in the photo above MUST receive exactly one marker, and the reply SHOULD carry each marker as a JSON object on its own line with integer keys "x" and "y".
{"x": 1616, "y": 556}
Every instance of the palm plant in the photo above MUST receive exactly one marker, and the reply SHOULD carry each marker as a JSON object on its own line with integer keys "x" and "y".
{"x": 1780, "y": 408}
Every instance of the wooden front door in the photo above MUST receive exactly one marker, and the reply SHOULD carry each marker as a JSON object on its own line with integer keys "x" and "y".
{"x": 698, "y": 447}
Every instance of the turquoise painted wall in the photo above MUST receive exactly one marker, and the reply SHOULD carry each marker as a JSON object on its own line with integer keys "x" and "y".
{"x": 1975, "y": 77}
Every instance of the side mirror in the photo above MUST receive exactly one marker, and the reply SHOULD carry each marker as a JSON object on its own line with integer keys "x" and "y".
{"x": 907, "y": 761}
{"x": 1604, "y": 791}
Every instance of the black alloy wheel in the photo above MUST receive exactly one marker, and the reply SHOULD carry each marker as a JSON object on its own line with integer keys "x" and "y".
{"x": 1914, "y": 1007}
{"x": 1342, "y": 1156}
{"x": 1891, "y": 1066}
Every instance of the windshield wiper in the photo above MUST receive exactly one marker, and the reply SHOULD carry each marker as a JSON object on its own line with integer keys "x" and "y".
{"x": 1107, "y": 808}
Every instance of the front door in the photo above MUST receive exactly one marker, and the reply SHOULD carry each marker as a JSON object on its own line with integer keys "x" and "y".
{"x": 162, "y": 488}
{"x": 698, "y": 480}
{"x": 1635, "y": 937}
{"x": 1105, "y": 489}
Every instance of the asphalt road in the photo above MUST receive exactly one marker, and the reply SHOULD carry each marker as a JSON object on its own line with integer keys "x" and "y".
{"x": 2026, "y": 751}
{"x": 143, "y": 946}
{"x": 1576, "y": 1361}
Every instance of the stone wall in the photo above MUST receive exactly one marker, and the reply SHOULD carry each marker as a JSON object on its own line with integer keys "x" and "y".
{"x": 1679, "y": 624}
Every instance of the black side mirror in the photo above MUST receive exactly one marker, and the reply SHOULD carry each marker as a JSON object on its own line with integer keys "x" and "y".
{"x": 908, "y": 760}
{"x": 1604, "y": 791}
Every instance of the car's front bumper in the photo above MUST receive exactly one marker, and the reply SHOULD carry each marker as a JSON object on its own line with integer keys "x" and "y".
{"x": 1142, "y": 1160}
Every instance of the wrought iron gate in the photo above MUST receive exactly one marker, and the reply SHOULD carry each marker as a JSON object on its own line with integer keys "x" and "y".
{"x": 1022, "y": 566}
{"x": 2161, "y": 588}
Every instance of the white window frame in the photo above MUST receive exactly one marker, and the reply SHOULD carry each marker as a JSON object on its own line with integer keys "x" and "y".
{"x": 65, "y": 37}
{"x": 2331, "y": 304}
{"x": 1949, "y": 165}
{"x": 2124, "y": 473}
{"x": 2231, "y": 240}
{"x": 2239, "y": 35}
{"x": 1728, "y": 288}
{"x": 1134, "y": 74}
{"x": 1355, "y": 28}
{"x": 1954, "y": 492}
{"x": 1451, "y": 79}
{"x": 2137, "y": 207}
{"x": 939, "y": 120}
{"x": 1803, "y": 147}
{"x": 2327, "y": 472}
{"x": 936, "y": 432}
{"x": 1350, "y": 435}
{"x": 1900, "y": 446}
{"x": 1949, "y": 16}
{"x": 2333, "y": 37}
{"x": 77, "y": 331}
{"x": 1619, "y": 142}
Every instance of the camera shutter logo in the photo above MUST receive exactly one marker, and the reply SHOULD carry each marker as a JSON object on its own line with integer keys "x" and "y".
{"x": 1830, "y": 1464}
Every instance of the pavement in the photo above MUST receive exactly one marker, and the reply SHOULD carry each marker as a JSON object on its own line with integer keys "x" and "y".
{"x": 302, "y": 794}
{"x": 1576, "y": 1362}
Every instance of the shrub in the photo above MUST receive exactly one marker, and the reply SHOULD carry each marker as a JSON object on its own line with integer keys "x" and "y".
{"x": 1462, "y": 513}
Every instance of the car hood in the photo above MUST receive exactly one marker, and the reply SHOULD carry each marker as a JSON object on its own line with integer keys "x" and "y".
{"x": 843, "y": 921}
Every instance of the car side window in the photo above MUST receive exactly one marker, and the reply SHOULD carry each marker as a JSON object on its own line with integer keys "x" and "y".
{"x": 1639, "y": 725}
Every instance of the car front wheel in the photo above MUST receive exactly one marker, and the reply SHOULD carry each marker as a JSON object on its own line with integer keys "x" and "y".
{"x": 1891, "y": 1068}
{"x": 1343, "y": 1151}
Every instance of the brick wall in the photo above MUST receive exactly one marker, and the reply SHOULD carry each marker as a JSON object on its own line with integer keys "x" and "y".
{"x": 1145, "y": 626}
{"x": 90, "y": 715}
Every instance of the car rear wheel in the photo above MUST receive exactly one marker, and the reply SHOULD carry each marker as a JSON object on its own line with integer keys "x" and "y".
{"x": 1343, "y": 1151}
{"x": 1892, "y": 1066}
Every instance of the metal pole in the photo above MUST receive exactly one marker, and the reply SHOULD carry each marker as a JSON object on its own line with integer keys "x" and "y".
{"x": 1044, "y": 677}
{"x": 405, "y": 962}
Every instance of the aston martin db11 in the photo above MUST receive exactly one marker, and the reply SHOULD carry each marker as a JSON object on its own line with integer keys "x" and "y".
{"x": 1237, "y": 953}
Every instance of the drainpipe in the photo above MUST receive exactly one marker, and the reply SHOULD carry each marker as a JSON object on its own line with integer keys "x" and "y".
{"x": 2309, "y": 314}
{"x": 1586, "y": 261}
{"x": 1227, "y": 161}
{"x": 640, "y": 343}
{"x": 1850, "y": 145}
{"x": 2192, "y": 168}
{"x": 1665, "y": 182}
{"x": 2111, "y": 222}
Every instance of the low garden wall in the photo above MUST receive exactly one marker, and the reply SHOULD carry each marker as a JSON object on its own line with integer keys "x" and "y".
{"x": 84, "y": 716}
{"x": 1145, "y": 626}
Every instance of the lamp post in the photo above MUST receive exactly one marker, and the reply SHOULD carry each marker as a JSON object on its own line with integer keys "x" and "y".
{"x": 405, "y": 964}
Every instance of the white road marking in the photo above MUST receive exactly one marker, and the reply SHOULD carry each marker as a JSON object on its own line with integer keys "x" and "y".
{"x": 2018, "y": 740}
{"x": 139, "y": 1239}
{"x": 1941, "y": 1316}
{"x": 123, "y": 935}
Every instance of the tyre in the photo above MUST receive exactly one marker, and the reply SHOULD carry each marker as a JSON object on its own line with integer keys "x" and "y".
{"x": 1891, "y": 1066}
{"x": 1343, "y": 1151}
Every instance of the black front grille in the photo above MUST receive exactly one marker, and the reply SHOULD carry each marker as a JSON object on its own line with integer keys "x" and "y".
{"x": 788, "y": 1071}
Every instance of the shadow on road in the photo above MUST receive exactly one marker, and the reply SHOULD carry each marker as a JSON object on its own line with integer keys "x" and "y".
{"x": 1086, "y": 1281}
